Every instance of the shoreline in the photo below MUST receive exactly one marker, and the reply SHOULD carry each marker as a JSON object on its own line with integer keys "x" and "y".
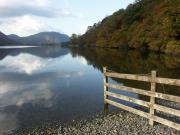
{"x": 125, "y": 49}
{"x": 121, "y": 123}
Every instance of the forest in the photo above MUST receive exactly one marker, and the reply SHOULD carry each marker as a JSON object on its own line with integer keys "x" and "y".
{"x": 144, "y": 25}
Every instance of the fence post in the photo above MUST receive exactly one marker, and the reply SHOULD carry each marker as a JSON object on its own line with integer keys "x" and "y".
{"x": 152, "y": 99}
{"x": 105, "y": 81}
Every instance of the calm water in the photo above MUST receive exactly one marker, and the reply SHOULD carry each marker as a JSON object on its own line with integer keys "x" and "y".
{"x": 45, "y": 84}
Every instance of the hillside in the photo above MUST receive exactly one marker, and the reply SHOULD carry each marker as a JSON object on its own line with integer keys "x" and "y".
{"x": 145, "y": 25}
{"x": 4, "y": 40}
{"x": 42, "y": 38}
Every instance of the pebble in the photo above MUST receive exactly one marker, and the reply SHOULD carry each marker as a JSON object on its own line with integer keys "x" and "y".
{"x": 122, "y": 123}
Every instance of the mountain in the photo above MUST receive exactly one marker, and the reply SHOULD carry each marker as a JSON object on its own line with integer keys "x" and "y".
{"x": 5, "y": 40}
{"x": 145, "y": 25}
{"x": 42, "y": 38}
{"x": 14, "y": 37}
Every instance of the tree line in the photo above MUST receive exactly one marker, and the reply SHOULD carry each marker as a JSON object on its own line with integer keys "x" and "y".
{"x": 145, "y": 25}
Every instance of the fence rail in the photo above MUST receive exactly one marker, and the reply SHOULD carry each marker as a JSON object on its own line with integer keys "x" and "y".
{"x": 151, "y": 105}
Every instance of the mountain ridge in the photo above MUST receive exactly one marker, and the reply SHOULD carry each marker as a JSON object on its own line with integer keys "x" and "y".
{"x": 5, "y": 40}
{"x": 41, "y": 38}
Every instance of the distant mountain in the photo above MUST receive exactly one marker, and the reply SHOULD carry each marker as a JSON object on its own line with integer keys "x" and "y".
{"x": 14, "y": 37}
{"x": 42, "y": 38}
{"x": 5, "y": 40}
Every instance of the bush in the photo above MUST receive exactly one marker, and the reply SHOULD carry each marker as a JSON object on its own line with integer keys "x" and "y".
{"x": 173, "y": 47}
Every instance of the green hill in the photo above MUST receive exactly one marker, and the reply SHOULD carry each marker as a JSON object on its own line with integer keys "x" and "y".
{"x": 145, "y": 24}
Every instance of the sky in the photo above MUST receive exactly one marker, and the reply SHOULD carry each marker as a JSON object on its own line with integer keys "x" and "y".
{"x": 27, "y": 17}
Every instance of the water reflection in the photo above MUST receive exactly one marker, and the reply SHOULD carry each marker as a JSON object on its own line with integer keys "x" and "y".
{"x": 47, "y": 84}
{"x": 8, "y": 122}
{"x": 32, "y": 83}
{"x": 22, "y": 63}
{"x": 133, "y": 62}
{"x": 43, "y": 52}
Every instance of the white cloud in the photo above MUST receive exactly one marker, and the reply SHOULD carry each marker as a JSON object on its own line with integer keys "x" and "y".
{"x": 27, "y": 17}
{"x": 12, "y": 3}
{"x": 41, "y": 2}
{"x": 7, "y": 12}
{"x": 42, "y": 8}
{"x": 83, "y": 28}
{"x": 25, "y": 25}
{"x": 14, "y": 8}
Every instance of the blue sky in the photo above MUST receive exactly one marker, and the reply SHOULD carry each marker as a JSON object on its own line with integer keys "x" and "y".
{"x": 26, "y": 17}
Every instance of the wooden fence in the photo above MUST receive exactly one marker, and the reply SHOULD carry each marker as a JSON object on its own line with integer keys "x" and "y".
{"x": 151, "y": 105}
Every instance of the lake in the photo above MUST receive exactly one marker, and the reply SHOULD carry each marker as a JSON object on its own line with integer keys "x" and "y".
{"x": 46, "y": 84}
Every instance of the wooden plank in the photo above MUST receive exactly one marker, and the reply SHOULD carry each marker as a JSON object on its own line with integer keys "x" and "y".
{"x": 129, "y": 99}
{"x": 166, "y": 122}
{"x": 145, "y": 104}
{"x": 166, "y": 97}
{"x": 145, "y": 92}
{"x": 167, "y": 110}
{"x": 168, "y": 81}
{"x": 129, "y": 89}
{"x": 145, "y": 115}
{"x": 128, "y": 76}
{"x": 152, "y": 99}
{"x": 105, "y": 81}
{"x": 130, "y": 109}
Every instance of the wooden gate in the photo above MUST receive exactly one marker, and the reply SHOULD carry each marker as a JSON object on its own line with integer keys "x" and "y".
{"x": 151, "y": 105}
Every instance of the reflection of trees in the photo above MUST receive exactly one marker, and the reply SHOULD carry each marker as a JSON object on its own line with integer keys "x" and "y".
{"x": 4, "y": 53}
{"x": 133, "y": 62}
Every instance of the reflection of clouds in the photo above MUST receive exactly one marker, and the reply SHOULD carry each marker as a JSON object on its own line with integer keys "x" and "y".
{"x": 72, "y": 74}
{"x": 28, "y": 79}
{"x": 22, "y": 63}
{"x": 29, "y": 64}
{"x": 3, "y": 88}
{"x": 18, "y": 89}
{"x": 82, "y": 60}
{"x": 33, "y": 97}
{"x": 80, "y": 73}
{"x": 8, "y": 122}
{"x": 27, "y": 94}
{"x": 36, "y": 89}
